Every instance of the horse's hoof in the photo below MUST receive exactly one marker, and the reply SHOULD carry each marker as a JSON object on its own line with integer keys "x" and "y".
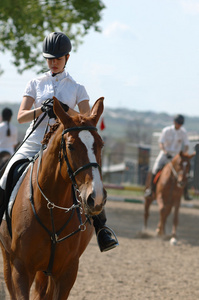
{"x": 173, "y": 241}
{"x": 158, "y": 231}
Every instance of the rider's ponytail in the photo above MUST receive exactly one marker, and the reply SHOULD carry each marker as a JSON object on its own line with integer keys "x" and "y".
{"x": 8, "y": 129}
{"x": 6, "y": 116}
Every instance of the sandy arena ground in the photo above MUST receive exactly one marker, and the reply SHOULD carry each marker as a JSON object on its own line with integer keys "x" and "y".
{"x": 143, "y": 266}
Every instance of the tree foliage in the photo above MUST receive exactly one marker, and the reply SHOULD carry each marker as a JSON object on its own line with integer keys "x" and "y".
{"x": 25, "y": 23}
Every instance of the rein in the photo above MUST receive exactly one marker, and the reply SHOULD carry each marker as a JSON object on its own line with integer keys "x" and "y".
{"x": 54, "y": 235}
{"x": 174, "y": 172}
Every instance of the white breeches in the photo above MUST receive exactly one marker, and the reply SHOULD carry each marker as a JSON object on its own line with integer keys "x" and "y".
{"x": 160, "y": 162}
{"x": 27, "y": 150}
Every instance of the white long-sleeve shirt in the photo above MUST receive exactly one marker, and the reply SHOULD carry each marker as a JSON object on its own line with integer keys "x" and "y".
{"x": 63, "y": 87}
{"x": 174, "y": 140}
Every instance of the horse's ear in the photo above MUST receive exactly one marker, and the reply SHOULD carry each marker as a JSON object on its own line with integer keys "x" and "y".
{"x": 59, "y": 111}
{"x": 97, "y": 109}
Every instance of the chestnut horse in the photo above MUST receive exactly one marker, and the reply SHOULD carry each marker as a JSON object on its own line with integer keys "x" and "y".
{"x": 169, "y": 190}
{"x": 50, "y": 220}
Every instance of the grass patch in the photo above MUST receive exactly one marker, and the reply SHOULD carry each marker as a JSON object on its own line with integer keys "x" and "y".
{"x": 124, "y": 193}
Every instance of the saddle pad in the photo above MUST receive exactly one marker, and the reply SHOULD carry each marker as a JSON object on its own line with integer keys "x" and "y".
{"x": 15, "y": 190}
{"x": 157, "y": 177}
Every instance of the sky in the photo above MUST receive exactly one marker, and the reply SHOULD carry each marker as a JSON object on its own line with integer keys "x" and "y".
{"x": 146, "y": 58}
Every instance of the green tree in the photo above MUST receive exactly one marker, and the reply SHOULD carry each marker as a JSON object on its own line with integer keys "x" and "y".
{"x": 25, "y": 23}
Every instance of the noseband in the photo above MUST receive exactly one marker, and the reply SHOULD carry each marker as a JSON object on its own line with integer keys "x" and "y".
{"x": 72, "y": 173}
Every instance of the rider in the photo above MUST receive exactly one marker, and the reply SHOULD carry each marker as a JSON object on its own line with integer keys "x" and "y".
{"x": 172, "y": 140}
{"x": 56, "y": 82}
{"x": 8, "y": 132}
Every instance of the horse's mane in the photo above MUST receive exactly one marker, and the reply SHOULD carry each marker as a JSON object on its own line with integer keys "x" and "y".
{"x": 182, "y": 155}
{"x": 48, "y": 135}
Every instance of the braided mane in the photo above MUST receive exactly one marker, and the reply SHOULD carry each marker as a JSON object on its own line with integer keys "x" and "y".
{"x": 48, "y": 135}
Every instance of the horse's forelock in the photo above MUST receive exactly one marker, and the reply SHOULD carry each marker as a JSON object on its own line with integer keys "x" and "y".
{"x": 81, "y": 120}
{"x": 180, "y": 158}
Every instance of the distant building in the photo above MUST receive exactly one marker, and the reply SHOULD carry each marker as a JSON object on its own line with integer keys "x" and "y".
{"x": 136, "y": 161}
{"x": 132, "y": 170}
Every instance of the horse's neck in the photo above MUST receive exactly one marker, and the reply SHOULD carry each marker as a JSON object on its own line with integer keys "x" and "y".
{"x": 51, "y": 167}
{"x": 166, "y": 173}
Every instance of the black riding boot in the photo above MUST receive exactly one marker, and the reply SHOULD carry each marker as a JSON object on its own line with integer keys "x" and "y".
{"x": 149, "y": 191}
{"x": 106, "y": 238}
{"x": 187, "y": 197}
{"x": 2, "y": 204}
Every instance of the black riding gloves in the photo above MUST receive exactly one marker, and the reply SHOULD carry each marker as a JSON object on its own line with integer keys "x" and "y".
{"x": 47, "y": 107}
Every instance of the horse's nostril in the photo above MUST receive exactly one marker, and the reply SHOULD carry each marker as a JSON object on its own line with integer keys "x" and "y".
{"x": 91, "y": 205}
{"x": 90, "y": 202}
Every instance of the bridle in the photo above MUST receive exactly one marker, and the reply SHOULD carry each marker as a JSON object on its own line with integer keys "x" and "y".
{"x": 72, "y": 173}
{"x": 176, "y": 175}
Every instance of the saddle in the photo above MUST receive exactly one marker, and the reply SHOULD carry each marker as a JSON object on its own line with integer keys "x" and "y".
{"x": 13, "y": 177}
{"x": 14, "y": 174}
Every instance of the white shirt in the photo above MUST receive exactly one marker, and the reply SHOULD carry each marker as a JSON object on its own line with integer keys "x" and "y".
{"x": 173, "y": 139}
{"x": 7, "y": 143}
{"x": 63, "y": 87}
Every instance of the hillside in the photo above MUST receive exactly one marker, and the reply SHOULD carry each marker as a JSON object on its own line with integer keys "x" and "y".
{"x": 122, "y": 124}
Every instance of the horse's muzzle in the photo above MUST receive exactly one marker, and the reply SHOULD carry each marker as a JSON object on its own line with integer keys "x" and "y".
{"x": 93, "y": 203}
{"x": 181, "y": 184}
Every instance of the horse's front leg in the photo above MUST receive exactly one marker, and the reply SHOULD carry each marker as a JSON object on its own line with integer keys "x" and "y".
{"x": 160, "y": 227}
{"x": 40, "y": 286}
{"x": 22, "y": 281}
{"x": 57, "y": 286}
{"x": 5, "y": 243}
{"x": 165, "y": 210}
{"x": 175, "y": 219}
{"x": 67, "y": 280}
{"x": 7, "y": 272}
{"x": 147, "y": 203}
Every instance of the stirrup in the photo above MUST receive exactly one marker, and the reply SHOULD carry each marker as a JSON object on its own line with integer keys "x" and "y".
{"x": 111, "y": 232}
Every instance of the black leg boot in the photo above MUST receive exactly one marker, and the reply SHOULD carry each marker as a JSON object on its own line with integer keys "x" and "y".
{"x": 187, "y": 197}
{"x": 2, "y": 204}
{"x": 105, "y": 236}
{"x": 149, "y": 191}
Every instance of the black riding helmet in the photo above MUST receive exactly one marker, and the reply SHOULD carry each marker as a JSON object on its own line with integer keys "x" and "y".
{"x": 179, "y": 119}
{"x": 56, "y": 45}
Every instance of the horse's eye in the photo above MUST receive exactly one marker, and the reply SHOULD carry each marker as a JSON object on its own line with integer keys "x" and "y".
{"x": 70, "y": 147}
